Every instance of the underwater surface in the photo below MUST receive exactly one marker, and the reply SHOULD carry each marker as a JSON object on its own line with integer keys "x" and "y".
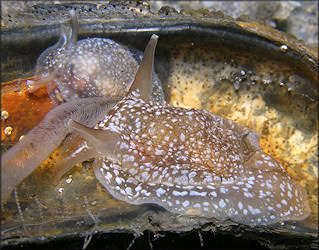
{"x": 217, "y": 65}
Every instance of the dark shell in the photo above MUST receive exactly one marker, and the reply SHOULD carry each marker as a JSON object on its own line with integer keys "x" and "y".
{"x": 239, "y": 69}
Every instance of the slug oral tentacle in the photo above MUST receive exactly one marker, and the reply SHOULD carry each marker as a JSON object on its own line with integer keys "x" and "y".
{"x": 73, "y": 150}
{"x": 39, "y": 81}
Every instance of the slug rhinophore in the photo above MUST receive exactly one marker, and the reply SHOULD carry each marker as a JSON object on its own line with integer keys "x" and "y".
{"x": 188, "y": 161}
{"x": 90, "y": 67}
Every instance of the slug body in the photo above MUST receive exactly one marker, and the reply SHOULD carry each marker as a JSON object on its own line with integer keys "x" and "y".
{"x": 188, "y": 161}
{"x": 87, "y": 68}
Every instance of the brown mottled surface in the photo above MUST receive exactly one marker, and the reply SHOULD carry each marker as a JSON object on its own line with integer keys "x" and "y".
{"x": 25, "y": 110}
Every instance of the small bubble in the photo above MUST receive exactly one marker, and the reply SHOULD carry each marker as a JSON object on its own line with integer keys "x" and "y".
{"x": 236, "y": 85}
{"x": 68, "y": 181}
{"x": 4, "y": 115}
{"x": 8, "y": 131}
{"x": 242, "y": 72}
{"x": 283, "y": 48}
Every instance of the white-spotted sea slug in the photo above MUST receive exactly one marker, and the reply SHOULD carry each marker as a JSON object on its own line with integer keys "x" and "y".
{"x": 188, "y": 161}
{"x": 87, "y": 68}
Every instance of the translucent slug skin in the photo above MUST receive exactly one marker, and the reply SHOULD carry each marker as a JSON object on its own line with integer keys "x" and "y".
{"x": 86, "y": 68}
{"x": 24, "y": 157}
